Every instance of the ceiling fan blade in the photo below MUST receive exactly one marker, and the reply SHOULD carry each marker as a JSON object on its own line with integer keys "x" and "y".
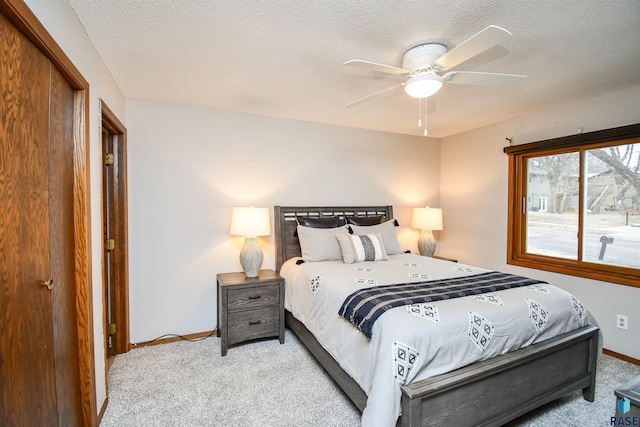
{"x": 382, "y": 68}
{"x": 372, "y": 95}
{"x": 507, "y": 81}
{"x": 485, "y": 39}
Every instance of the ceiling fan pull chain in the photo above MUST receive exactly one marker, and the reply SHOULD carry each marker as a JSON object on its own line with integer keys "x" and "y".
{"x": 424, "y": 110}
{"x": 419, "y": 113}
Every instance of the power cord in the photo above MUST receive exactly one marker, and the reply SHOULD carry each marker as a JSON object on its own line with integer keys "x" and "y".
{"x": 180, "y": 337}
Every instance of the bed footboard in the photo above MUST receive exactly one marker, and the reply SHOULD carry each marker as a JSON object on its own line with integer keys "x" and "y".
{"x": 498, "y": 390}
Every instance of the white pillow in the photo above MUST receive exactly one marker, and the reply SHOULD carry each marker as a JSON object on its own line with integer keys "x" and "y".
{"x": 368, "y": 247}
{"x": 388, "y": 232}
{"x": 320, "y": 244}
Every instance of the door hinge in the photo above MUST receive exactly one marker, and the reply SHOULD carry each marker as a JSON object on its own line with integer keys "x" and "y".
{"x": 108, "y": 159}
{"x": 109, "y": 244}
{"x": 111, "y": 329}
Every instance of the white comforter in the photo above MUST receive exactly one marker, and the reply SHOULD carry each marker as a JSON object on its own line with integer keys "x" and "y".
{"x": 415, "y": 342}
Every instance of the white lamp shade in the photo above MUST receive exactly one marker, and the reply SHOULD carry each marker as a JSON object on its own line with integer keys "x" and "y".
{"x": 423, "y": 85}
{"x": 427, "y": 218}
{"x": 250, "y": 221}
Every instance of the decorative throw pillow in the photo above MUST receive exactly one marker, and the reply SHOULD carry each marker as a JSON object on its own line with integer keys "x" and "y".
{"x": 325, "y": 222}
{"x": 388, "y": 232}
{"x": 368, "y": 247}
{"x": 365, "y": 220}
{"x": 320, "y": 244}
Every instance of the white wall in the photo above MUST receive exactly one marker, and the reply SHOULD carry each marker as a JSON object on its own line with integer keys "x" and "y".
{"x": 474, "y": 200}
{"x": 189, "y": 166}
{"x": 59, "y": 19}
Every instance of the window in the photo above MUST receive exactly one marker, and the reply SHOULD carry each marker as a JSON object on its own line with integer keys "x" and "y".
{"x": 574, "y": 205}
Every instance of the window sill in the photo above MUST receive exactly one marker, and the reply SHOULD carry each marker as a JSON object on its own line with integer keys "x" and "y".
{"x": 605, "y": 273}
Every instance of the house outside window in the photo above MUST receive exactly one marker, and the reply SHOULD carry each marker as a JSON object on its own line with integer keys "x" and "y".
{"x": 574, "y": 205}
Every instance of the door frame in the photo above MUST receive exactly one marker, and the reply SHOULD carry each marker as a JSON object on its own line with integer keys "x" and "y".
{"x": 119, "y": 223}
{"x": 19, "y": 14}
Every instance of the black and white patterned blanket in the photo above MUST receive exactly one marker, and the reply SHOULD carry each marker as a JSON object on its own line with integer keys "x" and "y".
{"x": 363, "y": 307}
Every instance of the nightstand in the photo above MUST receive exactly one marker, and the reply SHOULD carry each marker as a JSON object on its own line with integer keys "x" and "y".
{"x": 250, "y": 308}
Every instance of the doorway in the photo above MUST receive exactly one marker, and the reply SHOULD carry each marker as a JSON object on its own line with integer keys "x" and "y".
{"x": 542, "y": 204}
{"x": 115, "y": 284}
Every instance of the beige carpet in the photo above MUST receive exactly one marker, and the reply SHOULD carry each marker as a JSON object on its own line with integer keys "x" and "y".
{"x": 267, "y": 384}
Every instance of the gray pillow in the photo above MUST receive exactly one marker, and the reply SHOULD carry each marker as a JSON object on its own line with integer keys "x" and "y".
{"x": 320, "y": 244}
{"x": 388, "y": 232}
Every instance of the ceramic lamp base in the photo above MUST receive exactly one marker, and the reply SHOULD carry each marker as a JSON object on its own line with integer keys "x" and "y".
{"x": 251, "y": 257}
{"x": 426, "y": 243}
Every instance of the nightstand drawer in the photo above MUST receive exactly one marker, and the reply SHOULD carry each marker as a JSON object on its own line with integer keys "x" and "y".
{"x": 252, "y": 324}
{"x": 247, "y": 298}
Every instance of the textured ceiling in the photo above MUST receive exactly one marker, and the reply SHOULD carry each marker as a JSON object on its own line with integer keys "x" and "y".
{"x": 283, "y": 58}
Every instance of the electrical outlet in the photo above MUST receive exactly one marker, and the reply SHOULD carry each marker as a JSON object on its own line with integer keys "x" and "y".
{"x": 622, "y": 322}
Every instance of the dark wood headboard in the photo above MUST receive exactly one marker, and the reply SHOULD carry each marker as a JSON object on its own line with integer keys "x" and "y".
{"x": 284, "y": 217}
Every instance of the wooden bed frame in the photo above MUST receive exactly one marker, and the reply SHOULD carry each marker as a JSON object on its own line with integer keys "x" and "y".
{"x": 487, "y": 393}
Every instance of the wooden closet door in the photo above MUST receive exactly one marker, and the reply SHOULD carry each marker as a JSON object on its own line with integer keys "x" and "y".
{"x": 62, "y": 247}
{"x": 37, "y": 379}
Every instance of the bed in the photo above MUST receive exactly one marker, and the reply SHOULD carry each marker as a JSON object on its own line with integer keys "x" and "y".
{"x": 487, "y": 392}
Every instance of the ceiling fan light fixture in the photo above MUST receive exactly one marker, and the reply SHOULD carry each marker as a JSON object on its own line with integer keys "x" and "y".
{"x": 423, "y": 85}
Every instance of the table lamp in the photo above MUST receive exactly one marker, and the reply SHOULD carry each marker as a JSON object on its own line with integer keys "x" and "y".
{"x": 250, "y": 222}
{"x": 427, "y": 219}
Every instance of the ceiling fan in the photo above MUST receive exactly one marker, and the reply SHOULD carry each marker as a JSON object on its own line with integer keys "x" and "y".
{"x": 427, "y": 67}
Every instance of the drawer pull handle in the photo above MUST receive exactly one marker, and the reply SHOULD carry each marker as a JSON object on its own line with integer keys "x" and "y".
{"x": 255, "y": 297}
{"x": 255, "y": 322}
